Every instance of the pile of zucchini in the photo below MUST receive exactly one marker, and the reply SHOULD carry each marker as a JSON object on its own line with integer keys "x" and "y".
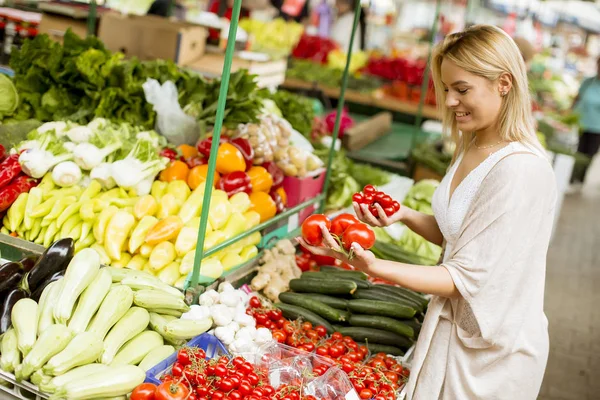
{"x": 386, "y": 318}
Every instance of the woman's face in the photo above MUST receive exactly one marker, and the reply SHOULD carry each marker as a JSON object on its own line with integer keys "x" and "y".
{"x": 474, "y": 100}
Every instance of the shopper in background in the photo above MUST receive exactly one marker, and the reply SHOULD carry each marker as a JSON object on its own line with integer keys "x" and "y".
{"x": 161, "y": 8}
{"x": 341, "y": 30}
{"x": 485, "y": 335}
{"x": 587, "y": 104}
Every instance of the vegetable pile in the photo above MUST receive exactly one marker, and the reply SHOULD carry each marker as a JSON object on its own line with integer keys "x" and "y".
{"x": 276, "y": 38}
{"x": 345, "y": 228}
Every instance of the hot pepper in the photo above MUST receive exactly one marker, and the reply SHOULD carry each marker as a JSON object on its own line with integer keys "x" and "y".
{"x": 276, "y": 173}
{"x": 9, "y": 169}
{"x": 9, "y": 194}
{"x": 245, "y": 147}
{"x": 203, "y": 146}
{"x": 235, "y": 182}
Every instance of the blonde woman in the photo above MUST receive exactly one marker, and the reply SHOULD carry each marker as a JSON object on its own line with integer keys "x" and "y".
{"x": 485, "y": 333}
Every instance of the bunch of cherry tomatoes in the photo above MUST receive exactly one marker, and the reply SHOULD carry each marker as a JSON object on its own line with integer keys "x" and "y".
{"x": 345, "y": 228}
{"x": 380, "y": 378}
{"x": 371, "y": 196}
{"x": 343, "y": 350}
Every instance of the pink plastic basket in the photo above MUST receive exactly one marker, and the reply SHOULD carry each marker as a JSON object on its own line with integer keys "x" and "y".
{"x": 299, "y": 190}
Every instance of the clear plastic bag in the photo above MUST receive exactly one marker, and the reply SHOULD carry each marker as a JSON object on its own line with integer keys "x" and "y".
{"x": 171, "y": 122}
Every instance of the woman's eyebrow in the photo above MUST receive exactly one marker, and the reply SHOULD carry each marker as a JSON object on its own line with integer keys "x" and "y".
{"x": 460, "y": 83}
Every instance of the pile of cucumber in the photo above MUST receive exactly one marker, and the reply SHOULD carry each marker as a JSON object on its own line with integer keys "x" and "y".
{"x": 386, "y": 318}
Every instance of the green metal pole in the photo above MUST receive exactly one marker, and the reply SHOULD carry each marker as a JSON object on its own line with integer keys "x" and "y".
{"x": 425, "y": 84}
{"x": 340, "y": 107}
{"x": 91, "y": 20}
{"x": 212, "y": 160}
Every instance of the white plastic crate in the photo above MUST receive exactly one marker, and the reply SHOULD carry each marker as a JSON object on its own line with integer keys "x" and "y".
{"x": 15, "y": 390}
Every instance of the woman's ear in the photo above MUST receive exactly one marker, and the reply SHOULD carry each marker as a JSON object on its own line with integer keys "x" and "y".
{"x": 505, "y": 84}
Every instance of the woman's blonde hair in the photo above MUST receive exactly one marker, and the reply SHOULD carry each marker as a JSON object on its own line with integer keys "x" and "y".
{"x": 489, "y": 52}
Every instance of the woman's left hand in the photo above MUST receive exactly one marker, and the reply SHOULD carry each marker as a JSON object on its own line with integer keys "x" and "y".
{"x": 362, "y": 259}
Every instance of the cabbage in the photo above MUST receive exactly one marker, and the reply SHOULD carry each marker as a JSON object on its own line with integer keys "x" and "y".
{"x": 9, "y": 98}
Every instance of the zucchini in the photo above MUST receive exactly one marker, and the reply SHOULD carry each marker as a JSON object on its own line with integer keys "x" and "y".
{"x": 319, "y": 308}
{"x": 185, "y": 329}
{"x": 383, "y": 296}
{"x": 46, "y": 306}
{"x": 51, "y": 342}
{"x": 341, "y": 273}
{"x": 85, "y": 348}
{"x": 331, "y": 301}
{"x": 371, "y": 335}
{"x": 116, "y": 303}
{"x": 137, "y": 348}
{"x": 323, "y": 286}
{"x": 383, "y": 323}
{"x": 133, "y": 322}
{"x": 115, "y": 381}
{"x": 401, "y": 295}
{"x": 11, "y": 356}
{"x": 407, "y": 292}
{"x": 294, "y": 312}
{"x": 24, "y": 317}
{"x": 139, "y": 282}
{"x": 375, "y": 348}
{"x": 155, "y": 356}
{"x": 157, "y": 299}
{"x": 383, "y": 308}
{"x": 38, "y": 378}
{"x": 90, "y": 301}
{"x": 158, "y": 323}
{"x": 362, "y": 284}
{"x": 80, "y": 273}
{"x": 118, "y": 274}
{"x": 73, "y": 375}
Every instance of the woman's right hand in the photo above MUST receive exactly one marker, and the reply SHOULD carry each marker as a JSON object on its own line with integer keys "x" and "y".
{"x": 364, "y": 214}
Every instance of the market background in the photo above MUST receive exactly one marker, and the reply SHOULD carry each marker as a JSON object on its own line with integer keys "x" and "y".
{"x": 389, "y": 133}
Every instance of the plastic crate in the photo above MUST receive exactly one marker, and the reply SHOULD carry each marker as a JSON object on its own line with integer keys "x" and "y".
{"x": 299, "y": 190}
{"x": 209, "y": 343}
{"x": 11, "y": 389}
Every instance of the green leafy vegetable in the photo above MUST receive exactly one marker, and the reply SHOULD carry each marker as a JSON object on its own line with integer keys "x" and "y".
{"x": 298, "y": 110}
{"x": 9, "y": 99}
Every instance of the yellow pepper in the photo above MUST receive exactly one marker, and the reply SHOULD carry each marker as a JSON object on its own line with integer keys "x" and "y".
{"x": 230, "y": 261}
{"x": 102, "y": 222}
{"x": 186, "y": 240}
{"x": 252, "y": 240}
{"x": 146, "y": 250}
{"x": 72, "y": 209}
{"x": 169, "y": 274}
{"x": 61, "y": 204}
{"x": 162, "y": 255}
{"x": 193, "y": 205}
{"x": 252, "y": 219}
{"x": 93, "y": 190}
{"x": 146, "y": 268}
{"x": 166, "y": 229}
{"x": 46, "y": 184}
{"x": 123, "y": 202}
{"x": 6, "y": 223}
{"x": 180, "y": 190}
{"x": 109, "y": 194}
{"x": 123, "y": 262}
{"x": 104, "y": 258}
{"x": 212, "y": 239}
{"x": 69, "y": 224}
{"x": 167, "y": 206}
{"x": 44, "y": 208}
{"x": 137, "y": 262}
{"x": 35, "y": 229}
{"x": 145, "y": 206}
{"x": 75, "y": 233}
{"x": 40, "y": 237}
{"x": 123, "y": 193}
{"x": 248, "y": 253}
{"x": 65, "y": 192}
{"x": 158, "y": 190}
{"x": 139, "y": 233}
{"x": 240, "y": 202}
{"x": 211, "y": 268}
{"x": 16, "y": 212}
{"x": 50, "y": 233}
{"x": 187, "y": 263}
{"x": 236, "y": 224}
{"x": 86, "y": 228}
{"x": 4, "y": 230}
{"x": 180, "y": 283}
{"x": 220, "y": 209}
{"x": 117, "y": 232}
{"x": 86, "y": 212}
{"x": 195, "y": 223}
{"x": 85, "y": 243}
{"x": 34, "y": 200}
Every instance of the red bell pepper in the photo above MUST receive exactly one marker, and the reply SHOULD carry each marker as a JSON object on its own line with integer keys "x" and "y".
{"x": 9, "y": 194}
{"x": 195, "y": 161}
{"x": 2, "y": 153}
{"x": 169, "y": 153}
{"x": 244, "y": 146}
{"x": 235, "y": 182}
{"x": 278, "y": 201}
{"x": 276, "y": 173}
{"x": 203, "y": 146}
{"x": 9, "y": 169}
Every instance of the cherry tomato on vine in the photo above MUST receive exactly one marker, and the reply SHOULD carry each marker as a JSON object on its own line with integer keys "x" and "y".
{"x": 370, "y": 189}
{"x": 172, "y": 391}
{"x": 279, "y": 335}
{"x": 177, "y": 370}
{"x": 255, "y": 302}
{"x": 321, "y": 330}
{"x": 358, "y": 198}
{"x": 183, "y": 357}
{"x": 365, "y": 394}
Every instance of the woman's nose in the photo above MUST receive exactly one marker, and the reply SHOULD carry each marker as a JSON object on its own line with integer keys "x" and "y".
{"x": 451, "y": 100}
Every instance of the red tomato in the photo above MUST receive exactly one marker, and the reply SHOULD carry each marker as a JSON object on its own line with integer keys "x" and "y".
{"x": 226, "y": 385}
{"x": 341, "y": 222}
{"x": 145, "y": 391}
{"x": 171, "y": 391}
{"x": 257, "y": 392}
{"x": 220, "y": 370}
{"x": 323, "y": 260}
{"x": 306, "y": 326}
{"x": 268, "y": 390}
{"x": 279, "y": 335}
{"x": 192, "y": 396}
{"x": 323, "y": 351}
{"x": 311, "y": 229}
{"x": 380, "y": 397}
{"x": 365, "y": 394}
{"x": 275, "y": 315}
{"x": 235, "y": 395}
{"x": 321, "y": 331}
{"x": 280, "y": 323}
{"x": 217, "y": 395}
{"x": 246, "y": 369}
{"x": 358, "y": 233}
{"x": 183, "y": 357}
{"x": 397, "y": 368}
{"x": 335, "y": 352}
{"x": 369, "y": 189}
{"x": 358, "y": 198}
{"x": 261, "y": 319}
{"x": 337, "y": 336}
{"x": 288, "y": 327}
{"x": 177, "y": 370}
{"x": 245, "y": 388}
{"x": 348, "y": 367}
{"x": 253, "y": 379}
{"x": 237, "y": 362}
{"x": 202, "y": 391}
{"x": 255, "y": 302}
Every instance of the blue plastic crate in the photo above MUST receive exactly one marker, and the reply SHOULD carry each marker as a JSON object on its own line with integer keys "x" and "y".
{"x": 209, "y": 343}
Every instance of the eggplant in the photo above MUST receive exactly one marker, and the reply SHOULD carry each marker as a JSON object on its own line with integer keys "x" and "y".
{"x": 28, "y": 262}
{"x": 56, "y": 258}
{"x": 38, "y": 292}
{"x": 10, "y": 275}
{"x": 6, "y": 307}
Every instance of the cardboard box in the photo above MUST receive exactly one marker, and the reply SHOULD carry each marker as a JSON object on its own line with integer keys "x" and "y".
{"x": 56, "y": 26}
{"x": 367, "y": 131}
{"x": 151, "y": 37}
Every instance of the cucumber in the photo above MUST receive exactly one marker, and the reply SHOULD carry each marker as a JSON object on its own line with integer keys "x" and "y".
{"x": 415, "y": 324}
{"x": 378, "y": 336}
{"x": 375, "y": 348}
{"x": 319, "y": 308}
{"x": 401, "y": 297}
{"x": 407, "y": 292}
{"x": 402, "y": 294}
{"x": 362, "y": 284}
{"x": 340, "y": 272}
{"x": 331, "y": 301}
{"x": 383, "y": 323}
{"x": 323, "y": 286}
{"x": 364, "y": 294}
{"x": 383, "y": 308}
{"x": 294, "y": 312}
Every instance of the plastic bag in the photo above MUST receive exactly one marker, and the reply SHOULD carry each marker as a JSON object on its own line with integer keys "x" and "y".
{"x": 171, "y": 122}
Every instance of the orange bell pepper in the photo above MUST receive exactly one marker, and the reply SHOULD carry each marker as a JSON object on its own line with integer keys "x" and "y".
{"x": 187, "y": 151}
{"x": 198, "y": 175}
{"x": 264, "y": 205}
{"x": 165, "y": 229}
{"x": 230, "y": 159}
{"x": 261, "y": 179}
{"x": 177, "y": 170}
